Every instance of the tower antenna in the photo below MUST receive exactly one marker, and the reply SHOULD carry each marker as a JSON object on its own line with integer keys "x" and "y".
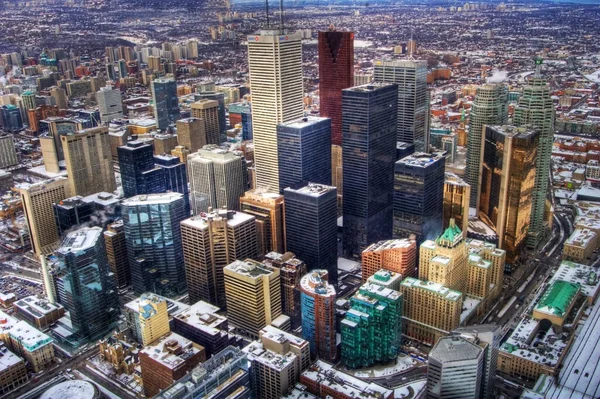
{"x": 267, "y": 7}
{"x": 281, "y": 15}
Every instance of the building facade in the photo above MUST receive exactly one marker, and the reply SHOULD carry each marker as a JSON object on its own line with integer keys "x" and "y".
{"x": 166, "y": 103}
{"x": 318, "y": 314}
{"x": 398, "y": 256}
{"x": 269, "y": 211}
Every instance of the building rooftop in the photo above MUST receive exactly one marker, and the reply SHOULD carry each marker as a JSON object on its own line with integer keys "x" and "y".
{"x": 36, "y": 307}
{"x": 72, "y": 389}
{"x": 152, "y": 199}
{"x": 313, "y": 189}
{"x": 249, "y": 268}
{"x": 420, "y": 160}
{"x": 212, "y": 153}
{"x": 173, "y": 307}
{"x": 315, "y": 282}
{"x": 8, "y": 359}
{"x": 6, "y": 322}
{"x": 581, "y": 237}
{"x": 201, "y": 221}
{"x": 513, "y": 131}
{"x": 455, "y": 349}
{"x": 258, "y": 353}
{"x": 379, "y": 291}
{"x": 30, "y": 338}
{"x": 390, "y": 244}
{"x": 203, "y": 316}
{"x": 558, "y": 298}
{"x": 576, "y": 273}
{"x": 275, "y": 334}
{"x": 302, "y": 123}
{"x": 171, "y": 350}
{"x": 80, "y": 240}
{"x": 435, "y": 288}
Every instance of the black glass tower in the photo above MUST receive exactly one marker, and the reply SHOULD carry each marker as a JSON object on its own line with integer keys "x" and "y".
{"x": 166, "y": 103}
{"x": 139, "y": 174}
{"x": 368, "y": 155}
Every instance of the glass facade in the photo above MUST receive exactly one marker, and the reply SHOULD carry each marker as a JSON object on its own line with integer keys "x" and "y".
{"x": 369, "y": 153}
{"x": 166, "y": 103}
{"x": 10, "y": 118}
{"x": 153, "y": 236}
{"x": 304, "y": 147}
{"x": 138, "y": 173}
{"x": 175, "y": 177}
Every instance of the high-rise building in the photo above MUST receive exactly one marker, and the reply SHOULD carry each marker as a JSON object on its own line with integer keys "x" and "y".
{"x": 175, "y": 176}
{"x": 490, "y": 108}
{"x": 268, "y": 209}
{"x": 164, "y": 143}
{"x": 110, "y": 104}
{"x": 211, "y": 242}
{"x": 507, "y": 184}
{"x": 536, "y": 110}
{"x": 455, "y": 369}
{"x": 98, "y": 209}
{"x": 419, "y": 196}
{"x": 369, "y": 153}
{"x": 457, "y": 194}
{"x": 85, "y": 285}
{"x": 413, "y": 99}
{"x": 10, "y": 118}
{"x": 398, "y": 256}
{"x": 311, "y": 226}
{"x": 60, "y": 95}
{"x": 208, "y": 111}
{"x": 336, "y": 72}
{"x": 139, "y": 174}
{"x": 28, "y": 98}
{"x": 191, "y": 133}
{"x": 89, "y": 161}
{"x": 371, "y": 330}
{"x": 275, "y": 66}
{"x": 8, "y": 154}
{"x": 304, "y": 151}
{"x": 221, "y": 111}
{"x": 217, "y": 179}
{"x": 116, "y": 252}
{"x": 37, "y": 200}
{"x": 166, "y": 103}
{"x": 153, "y": 318}
{"x": 337, "y": 176}
{"x": 153, "y": 235}
{"x": 253, "y": 295}
{"x": 318, "y": 314}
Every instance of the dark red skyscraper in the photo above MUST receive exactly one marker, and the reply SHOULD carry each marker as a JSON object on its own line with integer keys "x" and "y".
{"x": 336, "y": 72}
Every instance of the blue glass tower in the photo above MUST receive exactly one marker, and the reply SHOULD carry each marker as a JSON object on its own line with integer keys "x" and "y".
{"x": 175, "y": 177}
{"x": 153, "y": 237}
{"x": 368, "y": 156}
{"x": 166, "y": 103}
{"x": 10, "y": 118}
{"x": 311, "y": 226}
{"x": 85, "y": 285}
{"x": 304, "y": 147}
{"x": 419, "y": 196}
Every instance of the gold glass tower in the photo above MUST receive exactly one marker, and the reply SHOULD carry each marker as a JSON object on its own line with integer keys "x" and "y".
{"x": 456, "y": 202}
{"x": 268, "y": 208}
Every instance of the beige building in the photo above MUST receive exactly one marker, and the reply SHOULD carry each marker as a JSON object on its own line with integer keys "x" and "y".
{"x": 89, "y": 161}
{"x": 336, "y": 172}
{"x": 269, "y": 211}
{"x": 153, "y": 318}
{"x": 398, "y": 256}
{"x": 210, "y": 243}
{"x": 456, "y": 202}
{"x": 181, "y": 152}
{"x": 12, "y": 371}
{"x": 253, "y": 293}
{"x": 191, "y": 133}
{"x": 580, "y": 246}
{"x": 208, "y": 112}
{"x": 164, "y": 143}
{"x": 497, "y": 258}
{"x": 37, "y": 200}
{"x": 8, "y": 154}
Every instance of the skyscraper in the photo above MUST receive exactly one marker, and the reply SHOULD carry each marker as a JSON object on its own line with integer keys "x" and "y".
{"x": 419, "y": 196}
{"x": 139, "y": 174}
{"x": 208, "y": 112}
{"x": 304, "y": 151}
{"x": 110, "y": 104}
{"x": 490, "y": 108}
{"x": 275, "y": 66}
{"x": 399, "y": 256}
{"x": 153, "y": 234}
{"x": 253, "y": 295}
{"x": 175, "y": 176}
{"x": 336, "y": 72}
{"x": 191, "y": 133}
{"x": 8, "y": 154}
{"x": 507, "y": 184}
{"x": 413, "y": 99}
{"x": 116, "y": 252}
{"x": 217, "y": 179}
{"x": 10, "y": 118}
{"x": 221, "y": 111}
{"x": 536, "y": 110}
{"x": 311, "y": 226}
{"x": 89, "y": 161}
{"x": 318, "y": 314}
{"x": 85, "y": 284}
{"x": 166, "y": 103}
{"x": 369, "y": 153}
{"x": 211, "y": 242}
{"x": 457, "y": 194}
{"x": 268, "y": 209}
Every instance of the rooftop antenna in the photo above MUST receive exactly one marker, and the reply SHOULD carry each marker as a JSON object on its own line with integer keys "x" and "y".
{"x": 267, "y": 6}
{"x": 281, "y": 15}
{"x": 410, "y": 47}
{"x": 538, "y": 65}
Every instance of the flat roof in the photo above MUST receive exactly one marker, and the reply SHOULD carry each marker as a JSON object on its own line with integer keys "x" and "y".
{"x": 455, "y": 349}
{"x": 80, "y": 240}
{"x": 152, "y": 199}
{"x": 37, "y": 307}
{"x": 249, "y": 268}
{"x": 435, "y": 288}
{"x": 234, "y": 218}
{"x": 313, "y": 189}
{"x": 159, "y": 350}
{"x": 8, "y": 359}
{"x": 585, "y": 276}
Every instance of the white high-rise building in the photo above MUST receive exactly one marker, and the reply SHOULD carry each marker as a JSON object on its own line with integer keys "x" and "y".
{"x": 110, "y": 104}
{"x": 275, "y": 65}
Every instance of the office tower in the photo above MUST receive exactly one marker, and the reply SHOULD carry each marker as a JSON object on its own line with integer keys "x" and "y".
{"x": 192, "y": 49}
{"x": 116, "y": 252}
{"x": 153, "y": 236}
{"x": 8, "y": 154}
{"x": 507, "y": 184}
{"x": 275, "y": 66}
{"x": 457, "y": 194}
{"x": 268, "y": 209}
{"x": 336, "y": 72}
{"x": 85, "y": 284}
{"x": 153, "y": 318}
{"x": 139, "y": 174}
{"x": 167, "y": 361}
{"x": 181, "y": 152}
{"x": 216, "y": 179}
{"x": 191, "y": 134}
{"x": 60, "y": 95}
{"x": 175, "y": 176}
{"x": 419, "y": 196}
{"x": 37, "y": 200}
{"x": 430, "y": 310}
{"x": 455, "y": 369}
{"x": 211, "y": 242}
{"x": 110, "y": 104}
{"x": 304, "y": 151}
{"x": 371, "y": 330}
{"x": 202, "y": 324}
{"x": 337, "y": 176}
{"x": 166, "y": 104}
{"x": 311, "y": 226}
{"x": 411, "y": 46}
{"x": 98, "y": 209}
{"x": 221, "y": 111}
{"x": 398, "y": 256}
{"x": 497, "y": 258}
{"x": 318, "y": 314}
{"x": 536, "y": 111}
{"x": 369, "y": 153}
{"x": 10, "y": 118}
{"x": 490, "y": 108}
{"x": 253, "y": 295}
{"x": 386, "y": 279}
{"x": 89, "y": 161}
{"x": 413, "y": 99}
{"x": 164, "y": 143}
{"x": 28, "y": 98}
{"x": 79, "y": 89}
{"x": 291, "y": 270}
{"x": 208, "y": 112}
{"x": 488, "y": 337}
{"x": 154, "y": 63}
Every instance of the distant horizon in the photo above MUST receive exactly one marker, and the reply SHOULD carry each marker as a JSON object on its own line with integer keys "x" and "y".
{"x": 375, "y": 2}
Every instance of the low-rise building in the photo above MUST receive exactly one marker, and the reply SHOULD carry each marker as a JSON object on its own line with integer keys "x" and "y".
{"x": 33, "y": 345}
{"x": 132, "y": 312}
{"x": 580, "y": 246}
{"x": 576, "y": 273}
{"x": 202, "y": 324}
{"x": 12, "y": 371}
{"x": 39, "y": 311}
